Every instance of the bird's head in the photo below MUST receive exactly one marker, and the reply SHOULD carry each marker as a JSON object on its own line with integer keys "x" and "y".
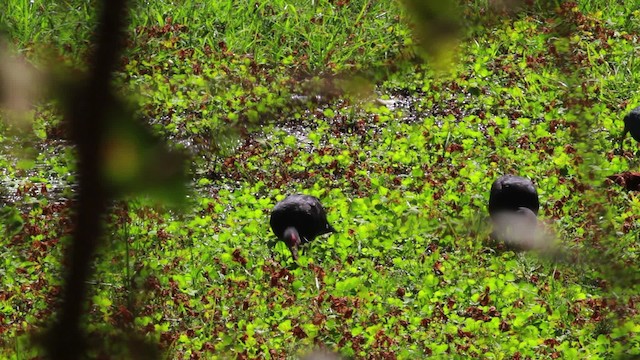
{"x": 292, "y": 239}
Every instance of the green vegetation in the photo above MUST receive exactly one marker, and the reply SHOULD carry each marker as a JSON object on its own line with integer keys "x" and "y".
{"x": 328, "y": 98}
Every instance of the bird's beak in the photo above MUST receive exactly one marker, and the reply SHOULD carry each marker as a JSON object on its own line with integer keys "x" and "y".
{"x": 331, "y": 229}
{"x": 294, "y": 252}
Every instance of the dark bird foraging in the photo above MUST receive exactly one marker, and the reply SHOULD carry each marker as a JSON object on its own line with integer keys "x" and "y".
{"x": 511, "y": 192}
{"x": 298, "y": 219}
{"x": 513, "y": 207}
{"x": 631, "y": 125}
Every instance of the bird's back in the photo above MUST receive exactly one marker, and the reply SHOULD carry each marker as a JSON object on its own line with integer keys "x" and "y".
{"x": 510, "y": 192}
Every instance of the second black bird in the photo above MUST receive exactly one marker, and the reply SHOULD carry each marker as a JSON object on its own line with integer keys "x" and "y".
{"x": 513, "y": 207}
{"x": 510, "y": 192}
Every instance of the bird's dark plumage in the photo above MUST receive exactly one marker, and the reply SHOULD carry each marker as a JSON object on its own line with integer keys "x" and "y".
{"x": 631, "y": 125}
{"x": 513, "y": 206}
{"x": 511, "y": 192}
{"x": 298, "y": 219}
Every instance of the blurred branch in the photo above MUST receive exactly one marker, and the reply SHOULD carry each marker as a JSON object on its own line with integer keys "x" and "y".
{"x": 87, "y": 118}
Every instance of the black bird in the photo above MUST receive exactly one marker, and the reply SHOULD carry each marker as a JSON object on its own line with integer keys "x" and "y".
{"x": 631, "y": 125}
{"x": 513, "y": 206}
{"x": 298, "y": 219}
{"x": 511, "y": 192}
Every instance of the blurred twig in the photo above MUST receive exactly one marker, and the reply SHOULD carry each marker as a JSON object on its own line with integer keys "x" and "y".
{"x": 87, "y": 117}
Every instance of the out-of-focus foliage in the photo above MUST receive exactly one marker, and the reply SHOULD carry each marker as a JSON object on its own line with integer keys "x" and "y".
{"x": 255, "y": 92}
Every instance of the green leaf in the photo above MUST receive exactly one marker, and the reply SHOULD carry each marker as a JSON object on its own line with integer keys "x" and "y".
{"x": 285, "y": 326}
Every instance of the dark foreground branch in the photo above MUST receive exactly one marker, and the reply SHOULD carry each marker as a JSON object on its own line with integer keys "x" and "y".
{"x": 86, "y": 114}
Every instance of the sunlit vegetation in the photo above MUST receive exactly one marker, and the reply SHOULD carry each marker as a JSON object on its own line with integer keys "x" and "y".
{"x": 336, "y": 99}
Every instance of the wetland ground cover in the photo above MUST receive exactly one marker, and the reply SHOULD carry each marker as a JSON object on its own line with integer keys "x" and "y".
{"x": 334, "y": 99}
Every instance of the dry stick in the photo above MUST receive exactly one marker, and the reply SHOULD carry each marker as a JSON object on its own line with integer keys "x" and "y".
{"x": 86, "y": 115}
